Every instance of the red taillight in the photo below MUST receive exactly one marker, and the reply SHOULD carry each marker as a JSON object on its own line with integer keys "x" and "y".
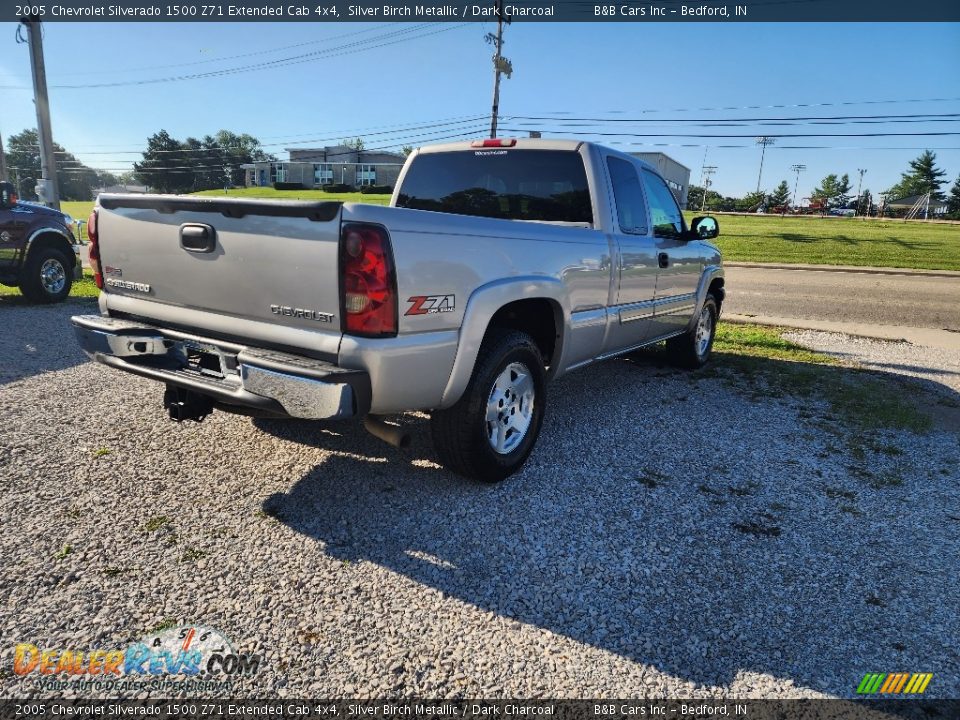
{"x": 93, "y": 251}
{"x": 368, "y": 285}
{"x": 494, "y": 142}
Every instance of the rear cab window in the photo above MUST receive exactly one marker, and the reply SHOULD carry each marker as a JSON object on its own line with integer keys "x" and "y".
{"x": 509, "y": 184}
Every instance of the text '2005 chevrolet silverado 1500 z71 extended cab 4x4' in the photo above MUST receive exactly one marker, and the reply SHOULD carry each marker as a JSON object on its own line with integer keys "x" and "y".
{"x": 498, "y": 264}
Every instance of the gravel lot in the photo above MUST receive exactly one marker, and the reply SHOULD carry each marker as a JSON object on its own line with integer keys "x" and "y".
{"x": 672, "y": 535}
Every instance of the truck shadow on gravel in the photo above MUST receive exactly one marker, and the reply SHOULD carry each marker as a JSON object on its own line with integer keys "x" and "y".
{"x": 712, "y": 527}
{"x": 36, "y": 339}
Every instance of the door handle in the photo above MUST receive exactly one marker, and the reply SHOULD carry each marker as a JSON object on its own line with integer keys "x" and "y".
{"x": 663, "y": 260}
{"x": 197, "y": 238}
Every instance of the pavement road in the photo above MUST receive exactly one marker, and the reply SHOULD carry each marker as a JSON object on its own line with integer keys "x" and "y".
{"x": 869, "y": 299}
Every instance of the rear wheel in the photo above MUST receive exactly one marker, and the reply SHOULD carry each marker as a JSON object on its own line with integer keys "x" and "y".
{"x": 692, "y": 349}
{"x": 47, "y": 277}
{"x": 492, "y": 429}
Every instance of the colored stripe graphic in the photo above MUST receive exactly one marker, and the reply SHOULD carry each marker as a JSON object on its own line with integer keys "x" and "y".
{"x": 894, "y": 683}
{"x": 914, "y": 682}
{"x": 901, "y": 682}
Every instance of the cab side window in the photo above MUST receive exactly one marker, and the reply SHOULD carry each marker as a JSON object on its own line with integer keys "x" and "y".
{"x": 665, "y": 215}
{"x": 628, "y": 194}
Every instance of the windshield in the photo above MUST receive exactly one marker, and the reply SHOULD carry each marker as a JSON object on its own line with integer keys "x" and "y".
{"x": 545, "y": 185}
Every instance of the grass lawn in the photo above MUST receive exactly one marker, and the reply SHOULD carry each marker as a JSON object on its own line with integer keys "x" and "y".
{"x": 839, "y": 241}
{"x": 269, "y": 193}
{"x": 80, "y": 210}
{"x": 760, "y": 238}
{"x": 767, "y": 364}
{"x": 84, "y": 288}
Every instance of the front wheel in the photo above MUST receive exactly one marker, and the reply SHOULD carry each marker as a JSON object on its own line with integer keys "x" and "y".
{"x": 47, "y": 277}
{"x": 492, "y": 429}
{"x": 692, "y": 349}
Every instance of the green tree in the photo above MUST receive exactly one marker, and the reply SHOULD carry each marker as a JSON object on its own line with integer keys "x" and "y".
{"x": 720, "y": 203}
{"x": 752, "y": 201}
{"x": 923, "y": 177}
{"x": 406, "y": 150}
{"x": 833, "y": 192}
{"x": 236, "y": 150}
{"x": 865, "y": 206}
{"x": 356, "y": 143}
{"x": 75, "y": 180}
{"x": 165, "y": 166}
{"x": 695, "y": 198}
{"x": 953, "y": 200}
{"x": 781, "y": 196}
{"x": 170, "y": 165}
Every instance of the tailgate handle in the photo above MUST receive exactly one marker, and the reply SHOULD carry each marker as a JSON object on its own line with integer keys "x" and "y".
{"x": 198, "y": 238}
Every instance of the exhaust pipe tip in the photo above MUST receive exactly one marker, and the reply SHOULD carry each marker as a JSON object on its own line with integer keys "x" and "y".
{"x": 390, "y": 434}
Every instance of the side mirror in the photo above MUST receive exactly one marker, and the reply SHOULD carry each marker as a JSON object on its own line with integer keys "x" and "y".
{"x": 704, "y": 228}
{"x": 8, "y": 195}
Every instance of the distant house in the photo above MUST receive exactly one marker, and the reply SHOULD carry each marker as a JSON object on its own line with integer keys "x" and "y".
{"x": 904, "y": 205}
{"x": 676, "y": 175}
{"x": 316, "y": 167}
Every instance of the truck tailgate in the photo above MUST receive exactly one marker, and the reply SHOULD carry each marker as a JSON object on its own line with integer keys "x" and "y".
{"x": 260, "y": 260}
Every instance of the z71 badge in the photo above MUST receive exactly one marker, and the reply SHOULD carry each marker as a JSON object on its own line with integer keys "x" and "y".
{"x": 429, "y": 304}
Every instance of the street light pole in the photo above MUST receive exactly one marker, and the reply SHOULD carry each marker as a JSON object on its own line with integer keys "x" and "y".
{"x": 797, "y": 169}
{"x": 763, "y": 141}
{"x": 859, "y": 185}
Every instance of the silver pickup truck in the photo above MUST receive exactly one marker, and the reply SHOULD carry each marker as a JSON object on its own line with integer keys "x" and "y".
{"x": 498, "y": 265}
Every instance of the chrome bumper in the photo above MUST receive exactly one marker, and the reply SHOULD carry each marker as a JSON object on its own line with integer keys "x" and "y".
{"x": 254, "y": 378}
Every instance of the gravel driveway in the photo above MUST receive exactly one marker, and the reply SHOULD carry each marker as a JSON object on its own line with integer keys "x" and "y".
{"x": 672, "y": 535}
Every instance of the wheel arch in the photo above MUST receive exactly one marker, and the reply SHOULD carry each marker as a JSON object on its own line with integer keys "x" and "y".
{"x": 49, "y": 238}
{"x": 711, "y": 281}
{"x": 535, "y": 305}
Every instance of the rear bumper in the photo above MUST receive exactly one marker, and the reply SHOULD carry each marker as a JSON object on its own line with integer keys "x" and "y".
{"x": 251, "y": 378}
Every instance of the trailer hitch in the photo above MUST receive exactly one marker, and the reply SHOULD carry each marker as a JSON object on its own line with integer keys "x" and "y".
{"x": 183, "y": 404}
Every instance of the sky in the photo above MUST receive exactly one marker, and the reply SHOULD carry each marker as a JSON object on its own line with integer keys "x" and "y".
{"x": 312, "y": 84}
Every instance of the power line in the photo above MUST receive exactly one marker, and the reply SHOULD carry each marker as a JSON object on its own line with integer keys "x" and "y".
{"x": 778, "y": 107}
{"x": 334, "y": 137}
{"x": 778, "y": 135}
{"x": 475, "y": 131}
{"x": 218, "y": 148}
{"x": 851, "y": 118}
{"x": 389, "y": 39}
{"x": 228, "y": 57}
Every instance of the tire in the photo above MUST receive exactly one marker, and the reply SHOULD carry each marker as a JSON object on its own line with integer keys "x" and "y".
{"x": 47, "y": 276}
{"x": 463, "y": 436}
{"x": 692, "y": 349}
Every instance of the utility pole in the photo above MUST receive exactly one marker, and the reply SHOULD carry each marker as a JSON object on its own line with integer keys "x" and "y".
{"x": 763, "y": 141}
{"x": 48, "y": 163}
{"x": 500, "y": 64}
{"x": 707, "y": 171}
{"x": 3, "y": 162}
{"x": 859, "y": 185}
{"x": 797, "y": 169}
